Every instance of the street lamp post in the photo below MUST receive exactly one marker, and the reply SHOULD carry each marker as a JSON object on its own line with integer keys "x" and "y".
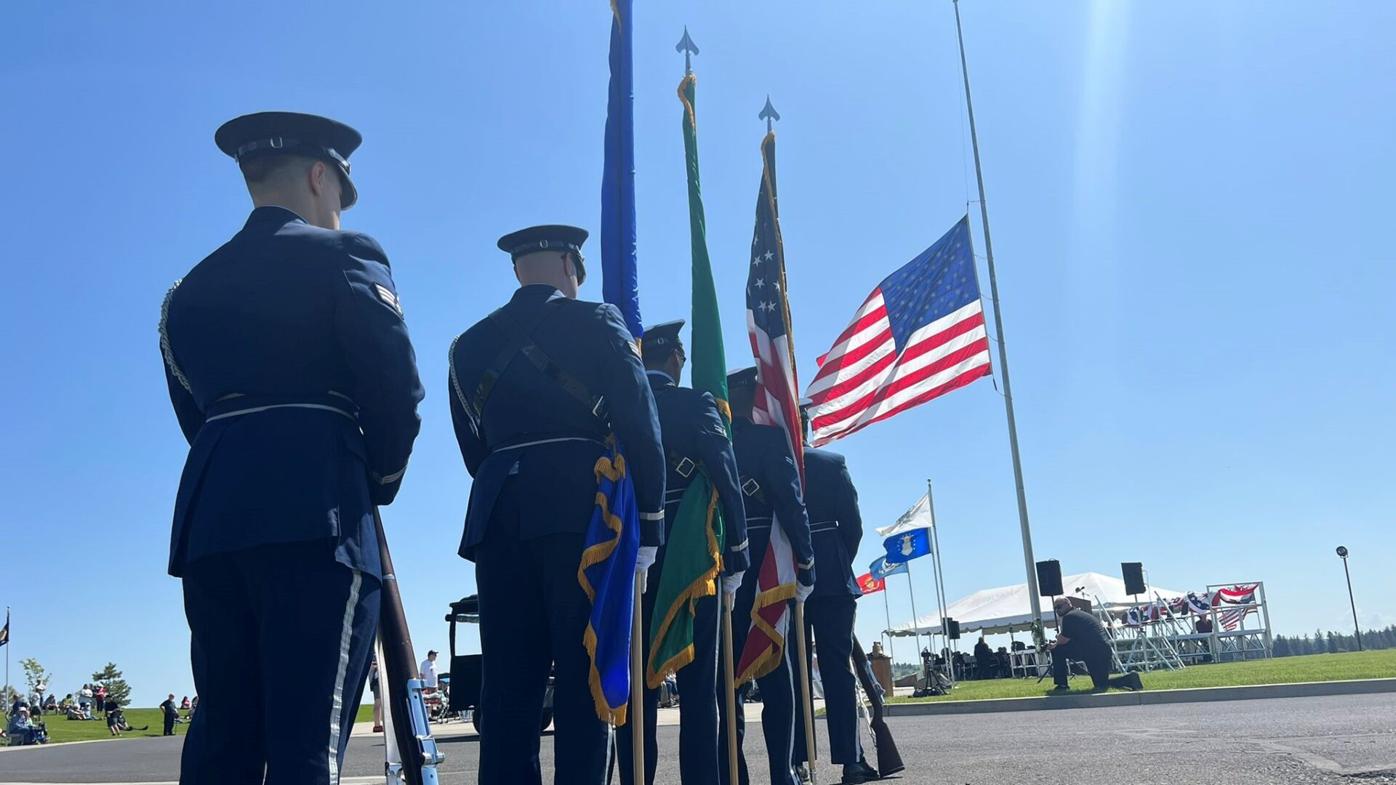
{"x": 1356, "y": 628}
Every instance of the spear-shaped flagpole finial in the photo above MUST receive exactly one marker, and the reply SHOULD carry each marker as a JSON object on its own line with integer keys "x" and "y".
{"x": 688, "y": 48}
{"x": 769, "y": 113}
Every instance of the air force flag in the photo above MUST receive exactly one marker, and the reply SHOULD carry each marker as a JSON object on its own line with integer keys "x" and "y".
{"x": 908, "y": 545}
{"x": 881, "y": 568}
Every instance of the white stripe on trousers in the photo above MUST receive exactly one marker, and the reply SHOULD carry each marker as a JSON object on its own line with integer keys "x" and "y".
{"x": 346, "y": 638}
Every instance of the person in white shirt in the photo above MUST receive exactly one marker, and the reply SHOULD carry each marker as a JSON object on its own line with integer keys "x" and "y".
{"x": 428, "y": 670}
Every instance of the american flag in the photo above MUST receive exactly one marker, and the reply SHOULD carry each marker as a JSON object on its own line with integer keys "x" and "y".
{"x": 919, "y": 335}
{"x": 768, "y": 322}
{"x": 1231, "y": 618}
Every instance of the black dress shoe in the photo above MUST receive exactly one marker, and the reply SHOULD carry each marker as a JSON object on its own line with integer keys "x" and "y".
{"x": 854, "y": 774}
{"x": 1060, "y": 688}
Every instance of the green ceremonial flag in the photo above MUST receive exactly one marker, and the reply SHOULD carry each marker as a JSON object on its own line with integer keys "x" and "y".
{"x": 693, "y": 551}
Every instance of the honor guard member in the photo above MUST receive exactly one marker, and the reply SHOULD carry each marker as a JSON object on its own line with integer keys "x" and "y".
{"x": 294, "y": 381}
{"x": 537, "y": 387}
{"x": 771, "y": 492}
{"x": 695, "y": 440}
{"x": 836, "y": 528}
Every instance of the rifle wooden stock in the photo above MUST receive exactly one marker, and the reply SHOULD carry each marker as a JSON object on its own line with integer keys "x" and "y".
{"x": 889, "y": 760}
{"x": 399, "y": 663}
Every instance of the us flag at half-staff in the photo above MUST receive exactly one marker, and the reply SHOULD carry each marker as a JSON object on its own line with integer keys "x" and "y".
{"x": 919, "y": 335}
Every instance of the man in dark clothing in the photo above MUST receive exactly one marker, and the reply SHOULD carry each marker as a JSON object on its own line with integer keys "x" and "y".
{"x": 695, "y": 442}
{"x": 171, "y": 713}
{"x": 1082, "y": 637}
{"x": 984, "y": 662}
{"x": 836, "y": 528}
{"x": 773, "y": 497}
{"x": 538, "y": 388}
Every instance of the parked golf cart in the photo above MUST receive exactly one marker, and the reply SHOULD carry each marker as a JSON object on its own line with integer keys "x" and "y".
{"x": 466, "y": 674}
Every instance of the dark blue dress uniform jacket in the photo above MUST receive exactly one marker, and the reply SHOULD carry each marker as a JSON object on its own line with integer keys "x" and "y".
{"x": 834, "y": 521}
{"x": 692, "y": 428}
{"x": 294, "y": 380}
{"x": 532, "y": 428}
{"x": 771, "y": 484}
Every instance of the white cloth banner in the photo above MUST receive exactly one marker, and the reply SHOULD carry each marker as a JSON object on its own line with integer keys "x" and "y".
{"x": 918, "y": 517}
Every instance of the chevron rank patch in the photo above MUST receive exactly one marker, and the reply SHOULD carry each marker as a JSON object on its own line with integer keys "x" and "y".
{"x": 388, "y": 297}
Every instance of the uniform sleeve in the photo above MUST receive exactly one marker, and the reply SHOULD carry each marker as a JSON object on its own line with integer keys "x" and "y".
{"x": 783, "y": 490}
{"x": 850, "y": 519}
{"x": 472, "y": 445}
{"x": 715, "y": 451}
{"x": 187, "y": 411}
{"x": 374, "y": 340}
{"x": 635, "y": 419}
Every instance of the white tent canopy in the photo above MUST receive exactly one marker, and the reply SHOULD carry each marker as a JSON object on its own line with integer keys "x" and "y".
{"x": 1006, "y": 608}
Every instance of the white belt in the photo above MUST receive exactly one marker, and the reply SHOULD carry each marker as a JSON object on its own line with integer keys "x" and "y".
{"x": 268, "y": 407}
{"x": 549, "y": 441}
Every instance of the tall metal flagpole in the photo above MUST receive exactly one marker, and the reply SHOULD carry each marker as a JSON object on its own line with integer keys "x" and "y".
{"x": 886, "y": 609}
{"x": 915, "y": 619}
{"x": 935, "y": 543}
{"x": 939, "y": 579}
{"x": 1034, "y": 601}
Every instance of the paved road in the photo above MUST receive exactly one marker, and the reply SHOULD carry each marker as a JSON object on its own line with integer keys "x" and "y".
{"x": 1293, "y": 741}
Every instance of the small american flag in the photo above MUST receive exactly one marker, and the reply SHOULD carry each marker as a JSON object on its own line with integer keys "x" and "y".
{"x": 768, "y": 323}
{"x": 1231, "y": 618}
{"x": 919, "y": 335}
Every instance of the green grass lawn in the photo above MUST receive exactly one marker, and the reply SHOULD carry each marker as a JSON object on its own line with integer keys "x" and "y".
{"x": 365, "y": 714}
{"x": 1284, "y": 670}
{"x": 61, "y": 730}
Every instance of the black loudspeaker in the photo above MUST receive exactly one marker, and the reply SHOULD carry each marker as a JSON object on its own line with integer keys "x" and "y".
{"x": 1049, "y": 578}
{"x": 1133, "y": 572}
{"x": 954, "y": 629}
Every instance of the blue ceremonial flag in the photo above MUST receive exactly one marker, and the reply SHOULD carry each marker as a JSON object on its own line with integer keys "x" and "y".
{"x": 607, "y": 575}
{"x": 881, "y": 568}
{"x": 612, "y": 540}
{"x": 620, "y": 284}
{"x": 904, "y": 547}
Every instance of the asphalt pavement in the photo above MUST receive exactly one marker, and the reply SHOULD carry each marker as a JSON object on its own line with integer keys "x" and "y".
{"x": 1289, "y": 741}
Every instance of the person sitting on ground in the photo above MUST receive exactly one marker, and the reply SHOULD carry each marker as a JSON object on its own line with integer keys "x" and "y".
{"x": 184, "y": 704}
{"x": 1082, "y": 637}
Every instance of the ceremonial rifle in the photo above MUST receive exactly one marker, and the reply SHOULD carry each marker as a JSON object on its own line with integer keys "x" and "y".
{"x": 411, "y": 740}
{"x": 889, "y": 761}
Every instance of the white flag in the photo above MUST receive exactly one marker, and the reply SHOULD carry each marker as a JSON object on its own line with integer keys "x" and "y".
{"x": 918, "y": 517}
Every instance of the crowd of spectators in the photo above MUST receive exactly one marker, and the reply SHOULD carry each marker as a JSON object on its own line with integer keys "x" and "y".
{"x": 24, "y": 722}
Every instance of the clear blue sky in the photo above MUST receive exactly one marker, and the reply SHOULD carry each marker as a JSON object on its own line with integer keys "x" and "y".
{"x": 1192, "y": 212}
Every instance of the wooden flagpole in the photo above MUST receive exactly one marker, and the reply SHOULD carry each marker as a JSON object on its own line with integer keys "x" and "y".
{"x": 637, "y": 684}
{"x": 731, "y": 692}
{"x": 803, "y": 651}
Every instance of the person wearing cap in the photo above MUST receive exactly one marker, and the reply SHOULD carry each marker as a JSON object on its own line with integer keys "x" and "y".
{"x": 293, "y": 379}
{"x": 537, "y": 389}
{"x": 772, "y": 495}
{"x": 1082, "y": 637}
{"x": 695, "y": 441}
{"x": 836, "y": 528}
{"x": 427, "y": 671}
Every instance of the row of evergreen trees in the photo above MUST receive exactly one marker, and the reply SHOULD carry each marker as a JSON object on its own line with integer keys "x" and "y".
{"x": 1332, "y": 642}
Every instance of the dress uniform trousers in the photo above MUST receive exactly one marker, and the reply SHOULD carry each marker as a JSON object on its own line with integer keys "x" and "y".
{"x": 270, "y": 624}
{"x": 830, "y": 619}
{"x": 533, "y": 614}
{"x": 698, "y": 698}
{"x": 777, "y": 687}
{"x": 1097, "y": 664}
